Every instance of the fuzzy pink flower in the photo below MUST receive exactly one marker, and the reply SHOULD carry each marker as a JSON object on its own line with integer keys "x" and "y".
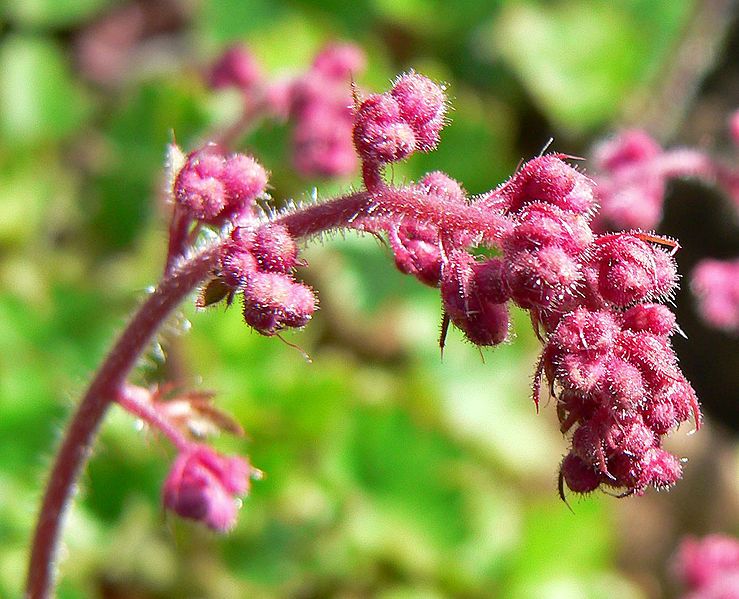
{"x": 203, "y": 485}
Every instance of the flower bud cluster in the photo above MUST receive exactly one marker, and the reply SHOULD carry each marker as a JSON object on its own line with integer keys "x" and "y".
{"x": 260, "y": 262}
{"x": 607, "y": 352}
{"x": 631, "y": 193}
{"x": 203, "y": 485}
{"x": 215, "y": 189}
{"x": 709, "y": 567}
{"x": 320, "y": 107}
{"x": 389, "y": 127}
{"x": 621, "y": 390}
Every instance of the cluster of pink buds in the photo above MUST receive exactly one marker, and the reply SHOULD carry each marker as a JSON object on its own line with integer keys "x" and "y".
{"x": 258, "y": 259}
{"x": 260, "y": 263}
{"x": 217, "y": 189}
{"x": 633, "y": 173}
{"x": 391, "y": 126}
{"x": 607, "y": 355}
{"x": 318, "y": 103}
{"x": 320, "y": 108}
{"x": 709, "y": 567}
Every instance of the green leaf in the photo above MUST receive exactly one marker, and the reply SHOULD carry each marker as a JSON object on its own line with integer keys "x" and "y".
{"x": 581, "y": 60}
{"x": 39, "y": 100}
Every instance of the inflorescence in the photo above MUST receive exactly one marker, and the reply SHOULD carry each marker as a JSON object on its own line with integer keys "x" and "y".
{"x": 594, "y": 299}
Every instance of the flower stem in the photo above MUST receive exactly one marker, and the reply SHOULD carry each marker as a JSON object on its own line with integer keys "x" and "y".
{"x": 105, "y": 387}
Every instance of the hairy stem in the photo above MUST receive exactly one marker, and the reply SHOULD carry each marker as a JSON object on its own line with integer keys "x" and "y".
{"x": 109, "y": 383}
{"x": 105, "y": 387}
{"x": 137, "y": 401}
{"x": 391, "y": 202}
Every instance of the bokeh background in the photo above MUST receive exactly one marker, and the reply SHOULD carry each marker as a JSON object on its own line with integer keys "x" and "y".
{"x": 389, "y": 473}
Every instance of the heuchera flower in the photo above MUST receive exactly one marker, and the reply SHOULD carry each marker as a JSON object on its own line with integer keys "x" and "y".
{"x": 391, "y": 126}
{"x": 709, "y": 567}
{"x": 607, "y": 356}
{"x": 204, "y": 485}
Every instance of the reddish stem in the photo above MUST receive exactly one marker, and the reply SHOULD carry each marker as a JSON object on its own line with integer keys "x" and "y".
{"x": 77, "y": 443}
{"x": 137, "y": 401}
{"x": 178, "y": 237}
{"x": 109, "y": 383}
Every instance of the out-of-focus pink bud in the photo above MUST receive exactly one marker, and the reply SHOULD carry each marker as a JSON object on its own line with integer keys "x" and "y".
{"x": 203, "y": 485}
{"x": 236, "y": 67}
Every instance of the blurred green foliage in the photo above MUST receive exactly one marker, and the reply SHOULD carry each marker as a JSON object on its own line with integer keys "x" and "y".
{"x": 389, "y": 473}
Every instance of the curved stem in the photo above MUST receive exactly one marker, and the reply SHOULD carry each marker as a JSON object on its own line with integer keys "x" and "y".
{"x": 107, "y": 385}
{"x": 76, "y": 446}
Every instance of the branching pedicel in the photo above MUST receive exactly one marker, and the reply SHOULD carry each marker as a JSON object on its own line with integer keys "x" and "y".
{"x": 607, "y": 359}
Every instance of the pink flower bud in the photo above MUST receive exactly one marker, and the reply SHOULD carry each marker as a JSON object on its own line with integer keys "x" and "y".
{"x": 244, "y": 178}
{"x": 483, "y": 322}
{"x": 543, "y": 278}
{"x": 626, "y": 149}
{"x": 380, "y": 134}
{"x": 273, "y": 301}
{"x": 701, "y": 563}
{"x": 586, "y": 330}
{"x": 203, "y": 485}
{"x": 237, "y": 261}
{"x": 214, "y": 188}
{"x": 715, "y": 284}
{"x": 547, "y": 179}
{"x": 236, "y": 67}
{"x": 416, "y": 251}
{"x": 652, "y": 318}
{"x": 274, "y": 248}
{"x": 632, "y": 271}
{"x": 582, "y": 371}
{"x": 580, "y": 476}
{"x": 626, "y": 385}
{"x": 659, "y": 468}
{"x": 442, "y": 184}
{"x": 423, "y": 106}
{"x": 489, "y": 280}
{"x": 541, "y": 224}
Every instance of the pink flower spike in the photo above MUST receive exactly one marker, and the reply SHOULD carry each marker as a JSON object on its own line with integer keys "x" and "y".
{"x": 203, "y": 485}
